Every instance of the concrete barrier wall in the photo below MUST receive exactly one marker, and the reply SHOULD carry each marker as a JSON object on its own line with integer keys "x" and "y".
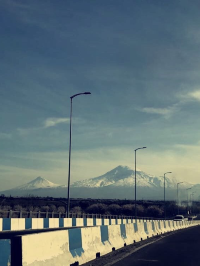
{"x": 97, "y": 221}
{"x": 112, "y": 221}
{"x": 118, "y": 221}
{"x": 80, "y": 245}
{"x": 116, "y": 235}
{"x": 8, "y": 224}
{"x": 131, "y": 235}
{"x": 159, "y": 226}
{"x": 141, "y": 230}
{"x": 105, "y": 221}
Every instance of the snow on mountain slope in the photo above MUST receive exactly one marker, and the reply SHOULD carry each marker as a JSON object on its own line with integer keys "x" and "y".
{"x": 123, "y": 176}
{"x": 37, "y": 183}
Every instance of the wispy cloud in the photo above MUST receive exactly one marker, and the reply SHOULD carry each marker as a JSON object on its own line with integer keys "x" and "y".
{"x": 52, "y": 122}
{"x": 190, "y": 96}
{"x": 47, "y": 123}
{"x": 166, "y": 112}
{"x": 195, "y": 95}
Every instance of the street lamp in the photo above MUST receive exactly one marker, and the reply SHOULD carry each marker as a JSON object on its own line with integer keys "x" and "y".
{"x": 177, "y": 196}
{"x": 70, "y": 140}
{"x": 135, "y": 179}
{"x": 164, "y": 191}
{"x": 188, "y": 198}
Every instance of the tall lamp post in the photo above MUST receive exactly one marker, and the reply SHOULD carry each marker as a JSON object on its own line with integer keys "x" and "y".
{"x": 164, "y": 192}
{"x": 135, "y": 179}
{"x": 188, "y": 198}
{"x": 177, "y": 195}
{"x": 70, "y": 141}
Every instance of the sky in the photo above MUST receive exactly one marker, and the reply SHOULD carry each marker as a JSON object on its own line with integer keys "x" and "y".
{"x": 139, "y": 59}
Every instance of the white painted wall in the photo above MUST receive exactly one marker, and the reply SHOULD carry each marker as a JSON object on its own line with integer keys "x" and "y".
{"x": 114, "y": 236}
{"x": 49, "y": 248}
{"x": 53, "y": 222}
{"x": 1, "y": 224}
{"x": 67, "y": 222}
{"x": 17, "y": 224}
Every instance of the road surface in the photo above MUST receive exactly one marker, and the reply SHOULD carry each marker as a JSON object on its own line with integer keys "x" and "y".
{"x": 181, "y": 248}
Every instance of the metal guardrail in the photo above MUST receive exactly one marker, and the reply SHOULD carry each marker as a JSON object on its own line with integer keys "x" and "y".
{"x": 47, "y": 214}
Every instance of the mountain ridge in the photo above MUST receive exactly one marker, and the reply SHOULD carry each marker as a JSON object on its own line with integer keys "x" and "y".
{"x": 115, "y": 183}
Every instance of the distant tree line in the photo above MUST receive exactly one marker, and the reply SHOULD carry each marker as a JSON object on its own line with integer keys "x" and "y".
{"x": 90, "y": 206}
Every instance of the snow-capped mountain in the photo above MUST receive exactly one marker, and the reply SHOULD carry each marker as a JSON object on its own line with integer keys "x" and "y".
{"x": 123, "y": 176}
{"x": 37, "y": 183}
{"x": 117, "y": 183}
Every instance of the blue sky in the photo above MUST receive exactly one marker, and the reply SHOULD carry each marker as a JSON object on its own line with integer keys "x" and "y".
{"x": 139, "y": 59}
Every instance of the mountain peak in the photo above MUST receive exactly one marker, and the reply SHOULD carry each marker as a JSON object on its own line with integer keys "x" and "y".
{"x": 123, "y": 167}
{"x": 123, "y": 176}
{"x": 39, "y": 178}
{"x": 37, "y": 183}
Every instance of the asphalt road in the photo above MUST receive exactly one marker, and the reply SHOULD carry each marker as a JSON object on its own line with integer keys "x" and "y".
{"x": 179, "y": 249}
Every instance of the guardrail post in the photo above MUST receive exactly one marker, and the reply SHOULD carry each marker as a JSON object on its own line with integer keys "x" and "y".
{"x": 30, "y": 214}
{"x": 52, "y": 214}
{"x": 20, "y": 214}
{"x": 10, "y": 214}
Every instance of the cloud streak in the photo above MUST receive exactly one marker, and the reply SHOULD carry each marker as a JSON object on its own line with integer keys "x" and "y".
{"x": 189, "y": 96}
{"x": 49, "y": 122}
{"x": 52, "y": 122}
{"x": 165, "y": 112}
{"x": 195, "y": 95}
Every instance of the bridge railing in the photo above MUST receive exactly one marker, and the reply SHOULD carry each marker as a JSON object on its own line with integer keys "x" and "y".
{"x": 48, "y": 214}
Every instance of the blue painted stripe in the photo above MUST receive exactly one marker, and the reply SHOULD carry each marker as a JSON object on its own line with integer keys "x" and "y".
{"x": 5, "y": 251}
{"x": 102, "y": 220}
{"x": 94, "y": 221}
{"x": 135, "y": 227}
{"x": 61, "y": 222}
{"x": 123, "y": 230}
{"x": 164, "y": 224}
{"x": 159, "y": 225}
{"x": 46, "y": 222}
{"x": 85, "y": 221}
{"x": 116, "y": 221}
{"x": 28, "y": 223}
{"x": 75, "y": 242}
{"x": 145, "y": 228}
{"x": 6, "y": 224}
{"x": 104, "y": 233}
{"x": 153, "y": 226}
{"x": 73, "y": 221}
